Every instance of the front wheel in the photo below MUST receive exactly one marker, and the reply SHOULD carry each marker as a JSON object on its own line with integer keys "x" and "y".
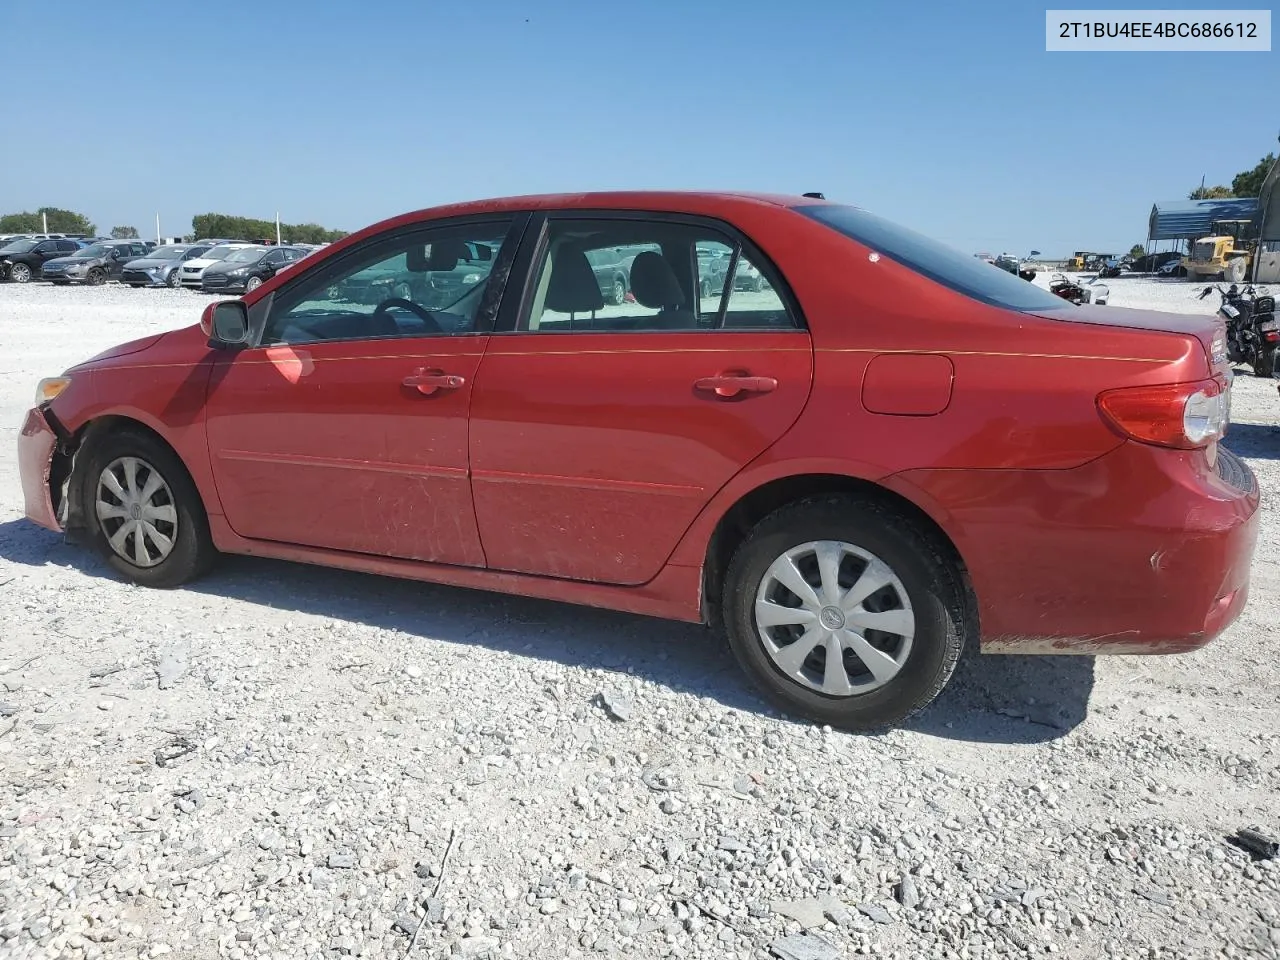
{"x": 1234, "y": 271}
{"x": 619, "y": 292}
{"x": 173, "y": 281}
{"x": 96, "y": 277}
{"x": 844, "y": 612}
{"x": 143, "y": 511}
{"x": 20, "y": 273}
{"x": 252, "y": 284}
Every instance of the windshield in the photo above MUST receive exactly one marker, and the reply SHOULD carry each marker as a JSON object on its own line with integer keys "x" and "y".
{"x": 219, "y": 253}
{"x": 961, "y": 272}
{"x": 247, "y": 255}
{"x": 167, "y": 253}
{"x": 19, "y": 246}
{"x": 94, "y": 250}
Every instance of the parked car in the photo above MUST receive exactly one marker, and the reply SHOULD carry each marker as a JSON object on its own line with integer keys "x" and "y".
{"x": 193, "y": 270}
{"x": 246, "y": 269}
{"x": 897, "y": 452}
{"x": 22, "y": 260}
{"x": 94, "y": 264}
{"x": 612, "y": 267}
{"x": 159, "y": 267}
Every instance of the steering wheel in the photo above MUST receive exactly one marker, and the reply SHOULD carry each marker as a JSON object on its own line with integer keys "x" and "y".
{"x": 433, "y": 325}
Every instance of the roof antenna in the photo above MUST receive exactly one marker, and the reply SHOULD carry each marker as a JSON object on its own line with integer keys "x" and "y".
{"x": 815, "y": 196}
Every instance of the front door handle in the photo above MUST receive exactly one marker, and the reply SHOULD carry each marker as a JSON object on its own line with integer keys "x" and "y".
{"x": 729, "y": 385}
{"x": 431, "y": 381}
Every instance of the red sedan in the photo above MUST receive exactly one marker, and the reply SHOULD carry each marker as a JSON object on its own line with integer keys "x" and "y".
{"x": 851, "y": 448}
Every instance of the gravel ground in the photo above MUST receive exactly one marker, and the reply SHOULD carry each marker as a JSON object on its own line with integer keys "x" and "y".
{"x": 289, "y": 762}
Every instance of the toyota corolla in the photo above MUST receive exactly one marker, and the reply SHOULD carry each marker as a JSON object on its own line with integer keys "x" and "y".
{"x": 881, "y": 452}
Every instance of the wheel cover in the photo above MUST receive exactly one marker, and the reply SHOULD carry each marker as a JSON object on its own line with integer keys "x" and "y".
{"x": 136, "y": 511}
{"x": 253, "y": 283}
{"x": 834, "y": 618}
{"x": 21, "y": 272}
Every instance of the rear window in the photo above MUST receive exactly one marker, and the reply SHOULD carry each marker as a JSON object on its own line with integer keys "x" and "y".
{"x": 961, "y": 272}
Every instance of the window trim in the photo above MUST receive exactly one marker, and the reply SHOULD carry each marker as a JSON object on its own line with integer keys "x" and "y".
{"x": 537, "y": 236}
{"x": 331, "y": 266}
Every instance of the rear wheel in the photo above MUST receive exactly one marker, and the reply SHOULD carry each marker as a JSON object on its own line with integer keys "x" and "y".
{"x": 1234, "y": 272}
{"x": 1265, "y": 364}
{"x": 143, "y": 511}
{"x": 843, "y": 611}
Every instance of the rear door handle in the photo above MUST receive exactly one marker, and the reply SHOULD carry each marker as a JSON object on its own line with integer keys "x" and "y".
{"x": 731, "y": 384}
{"x": 431, "y": 381}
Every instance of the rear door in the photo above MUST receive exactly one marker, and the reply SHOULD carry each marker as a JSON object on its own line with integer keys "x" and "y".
{"x": 598, "y": 432}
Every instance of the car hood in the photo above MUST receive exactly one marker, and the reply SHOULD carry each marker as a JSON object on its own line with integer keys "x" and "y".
{"x": 123, "y": 350}
{"x": 76, "y": 260}
{"x": 200, "y": 262}
{"x": 224, "y": 266}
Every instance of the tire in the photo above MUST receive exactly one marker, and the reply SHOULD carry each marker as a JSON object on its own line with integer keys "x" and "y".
{"x": 704, "y": 289}
{"x": 252, "y": 284}
{"x": 1234, "y": 273}
{"x": 926, "y": 592}
{"x": 20, "y": 273}
{"x": 96, "y": 277}
{"x": 619, "y": 292}
{"x": 176, "y": 509}
{"x": 1265, "y": 364}
{"x": 174, "y": 280}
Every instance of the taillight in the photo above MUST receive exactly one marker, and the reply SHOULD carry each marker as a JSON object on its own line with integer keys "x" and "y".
{"x": 1182, "y": 415}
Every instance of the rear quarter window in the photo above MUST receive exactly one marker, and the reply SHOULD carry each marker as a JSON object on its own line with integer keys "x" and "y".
{"x": 958, "y": 271}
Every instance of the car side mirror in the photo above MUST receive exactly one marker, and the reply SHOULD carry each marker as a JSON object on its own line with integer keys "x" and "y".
{"x": 226, "y": 323}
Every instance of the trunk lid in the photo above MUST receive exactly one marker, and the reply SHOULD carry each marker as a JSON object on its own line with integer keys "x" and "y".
{"x": 1210, "y": 330}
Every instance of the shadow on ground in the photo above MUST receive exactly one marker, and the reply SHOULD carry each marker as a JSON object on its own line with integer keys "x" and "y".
{"x": 1003, "y": 699}
{"x": 1254, "y": 440}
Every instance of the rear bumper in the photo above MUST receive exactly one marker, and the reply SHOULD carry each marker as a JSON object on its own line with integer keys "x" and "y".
{"x": 1144, "y": 550}
{"x": 36, "y": 443}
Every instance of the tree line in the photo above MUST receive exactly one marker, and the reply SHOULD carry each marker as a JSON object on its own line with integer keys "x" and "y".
{"x": 246, "y": 228}
{"x": 1248, "y": 183}
{"x": 204, "y": 225}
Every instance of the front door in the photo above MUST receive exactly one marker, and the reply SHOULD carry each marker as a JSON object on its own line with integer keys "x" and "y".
{"x": 598, "y": 432}
{"x": 346, "y": 426}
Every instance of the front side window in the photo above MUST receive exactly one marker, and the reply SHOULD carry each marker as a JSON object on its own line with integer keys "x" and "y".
{"x": 424, "y": 283}
{"x": 649, "y": 275}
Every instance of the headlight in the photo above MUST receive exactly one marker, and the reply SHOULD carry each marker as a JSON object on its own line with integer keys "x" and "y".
{"x": 237, "y": 273}
{"x": 471, "y": 278}
{"x": 50, "y": 387}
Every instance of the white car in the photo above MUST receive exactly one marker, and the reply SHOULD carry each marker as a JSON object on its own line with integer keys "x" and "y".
{"x": 193, "y": 270}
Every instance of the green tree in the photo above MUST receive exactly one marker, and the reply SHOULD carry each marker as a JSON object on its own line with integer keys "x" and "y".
{"x": 1211, "y": 193}
{"x": 124, "y": 233}
{"x": 1249, "y": 183}
{"x": 1137, "y": 250}
{"x": 247, "y": 228}
{"x": 60, "y": 221}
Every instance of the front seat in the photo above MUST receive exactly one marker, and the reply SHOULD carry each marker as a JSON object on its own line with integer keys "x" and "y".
{"x": 573, "y": 287}
{"x": 654, "y": 285}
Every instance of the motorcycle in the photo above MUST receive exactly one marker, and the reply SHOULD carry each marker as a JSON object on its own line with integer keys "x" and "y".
{"x": 1074, "y": 291}
{"x": 1253, "y": 334}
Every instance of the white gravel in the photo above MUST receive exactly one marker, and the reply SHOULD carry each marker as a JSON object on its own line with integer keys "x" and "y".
{"x": 277, "y": 761}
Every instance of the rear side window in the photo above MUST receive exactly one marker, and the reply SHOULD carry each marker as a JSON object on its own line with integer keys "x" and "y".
{"x": 961, "y": 272}
{"x": 643, "y": 275}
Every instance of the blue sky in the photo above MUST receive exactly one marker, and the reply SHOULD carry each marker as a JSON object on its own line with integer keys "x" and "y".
{"x": 948, "y": 117}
